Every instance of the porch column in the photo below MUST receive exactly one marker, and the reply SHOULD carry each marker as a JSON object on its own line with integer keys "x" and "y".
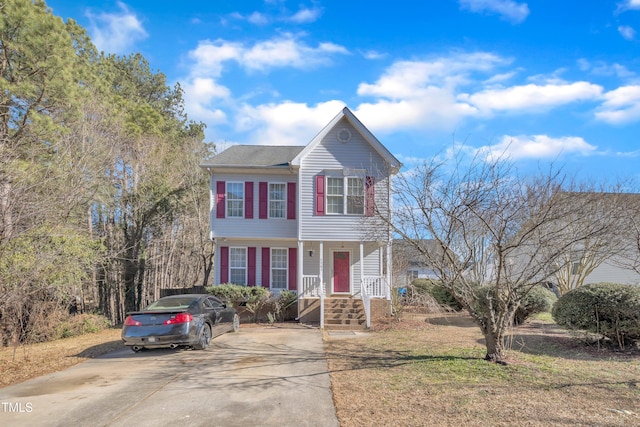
{"x": 389, "y": 266}
{"x": 299, "y": 272}
{"x": 321, "y": 266}
{"x": 361, "y": 268}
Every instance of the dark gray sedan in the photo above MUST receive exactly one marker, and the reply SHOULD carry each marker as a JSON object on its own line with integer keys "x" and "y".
{"x": 189, "y": 320}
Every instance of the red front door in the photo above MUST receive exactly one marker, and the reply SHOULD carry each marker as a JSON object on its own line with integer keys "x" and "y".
{"x": 341, "y": 276}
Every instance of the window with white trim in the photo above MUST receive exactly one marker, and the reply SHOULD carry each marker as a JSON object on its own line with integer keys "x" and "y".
{"x": 238, "y": 266}
{"x": 345, "y": 195}
{"x": 277, "y": 200}
{"x": 235, "y": 199}
{"x": 279, "y": 268}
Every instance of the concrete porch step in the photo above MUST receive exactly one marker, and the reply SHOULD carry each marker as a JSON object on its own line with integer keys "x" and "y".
{"x": 344, "y": 314}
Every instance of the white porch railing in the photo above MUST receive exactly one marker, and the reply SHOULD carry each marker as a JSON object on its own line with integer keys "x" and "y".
{"x": 375, "y": 286}
{"x": 311, "y": 287}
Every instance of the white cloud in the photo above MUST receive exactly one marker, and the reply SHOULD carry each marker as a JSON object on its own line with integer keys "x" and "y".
{"x": 283, "y": 51}
{"x": 531, "y": 96}
{"x": 628, "y": 5}
{"x": 601, "y": 68}
{"x": 302, "y": 16}
{"x": 373, "y": 54}
{"x": 258, "y": 18}
{"x": 305, "y": 15}
{"x": 288, "y": 123}
{"x": 422, "y": 94}
{"x": 627, "y": 32}
{"x": 199, "y": 95}
{"x": 536, "y": 147}
{"x": 116, "y": 32}
{"x": 621, "y": 105}
{"x": 508, "y": 10}
{"x": 404, "y": 78}
{"x": 428, "y": 94}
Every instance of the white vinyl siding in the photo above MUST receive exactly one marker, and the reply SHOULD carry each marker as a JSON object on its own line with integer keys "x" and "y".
{"x": 334, "y": 159}
{"x": 235, "y": 199}
{"x": 238, "y": 266}
{"x": 277, "y": 200}
{"x": 279, "y": 268}
{"x": 254, "y": 228}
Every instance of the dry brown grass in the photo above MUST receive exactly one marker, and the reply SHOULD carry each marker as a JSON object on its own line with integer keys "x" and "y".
{"x": 430, "y": 372}
{"x": 21, "y": 363}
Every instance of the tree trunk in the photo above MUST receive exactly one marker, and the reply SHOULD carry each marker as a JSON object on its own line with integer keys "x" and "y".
{"x": 494, "y": 340}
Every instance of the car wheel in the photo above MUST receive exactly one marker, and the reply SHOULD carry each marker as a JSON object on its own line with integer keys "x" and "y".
{"x": 204, "y": 338}
{"x": 236, "y": 322}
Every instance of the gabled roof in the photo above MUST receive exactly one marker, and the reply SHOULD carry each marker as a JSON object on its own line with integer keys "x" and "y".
{"x": 277, "y": 156}
{"x": 250, "y": 156}
{"x": 366, "y": 134}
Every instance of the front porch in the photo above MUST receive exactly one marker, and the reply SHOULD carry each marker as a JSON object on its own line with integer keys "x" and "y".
{"x": 339, "y": 280}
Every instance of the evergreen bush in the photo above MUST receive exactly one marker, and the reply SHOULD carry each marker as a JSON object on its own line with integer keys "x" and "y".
{"x": 607, "y": 309}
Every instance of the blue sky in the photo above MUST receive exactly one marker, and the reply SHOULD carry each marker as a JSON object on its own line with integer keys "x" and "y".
{"x": 542, "y": 81}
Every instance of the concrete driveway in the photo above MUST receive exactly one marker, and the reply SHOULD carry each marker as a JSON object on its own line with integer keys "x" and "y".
{"x": 256, "y": 377}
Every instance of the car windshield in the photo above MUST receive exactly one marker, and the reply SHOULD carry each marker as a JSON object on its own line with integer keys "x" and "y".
{"x": 171, "y": 304}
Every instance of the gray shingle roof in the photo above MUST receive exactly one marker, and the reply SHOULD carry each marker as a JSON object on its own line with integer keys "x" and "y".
{"x": 254, "y": 156}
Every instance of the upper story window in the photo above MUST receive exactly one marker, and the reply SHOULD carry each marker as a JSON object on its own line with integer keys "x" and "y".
{"x": 345, "y": 195}
{"x": 235, "y": 199}
{"x": 277, "y": 200}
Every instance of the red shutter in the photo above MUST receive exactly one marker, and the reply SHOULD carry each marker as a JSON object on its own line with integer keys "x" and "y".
{"x": 320, "y": 191}
{"x": 370, "y": 201}
{"x": 293, "y": 270}
{"x": 221, "y": 193}
{"x": 248, "y": 200}
{"x": 263, "y": 200}
{"x": 266, "y": 267}
{"x": 224, "y": 264}
{"x": 251, "y": 265}
{"x": 291, "y": 200}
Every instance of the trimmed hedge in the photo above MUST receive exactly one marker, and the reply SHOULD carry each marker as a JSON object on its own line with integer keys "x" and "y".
{"x": 438, "y": 292}
{"x": 256, "y": 300}
{"x": 537, "y": 300}
{"x": 608, "y": 309}
{"x": 231, "y": 294}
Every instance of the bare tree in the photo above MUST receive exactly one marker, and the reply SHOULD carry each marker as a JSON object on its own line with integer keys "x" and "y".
{"x": 600, "y": 234}
{"x": 496, "y": 235}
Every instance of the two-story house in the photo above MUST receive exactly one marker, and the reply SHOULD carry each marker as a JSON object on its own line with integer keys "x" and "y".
{"x": 304, "y": 218}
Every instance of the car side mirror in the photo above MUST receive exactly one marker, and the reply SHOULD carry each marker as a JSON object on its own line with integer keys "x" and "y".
{"x": 224, "y": 305}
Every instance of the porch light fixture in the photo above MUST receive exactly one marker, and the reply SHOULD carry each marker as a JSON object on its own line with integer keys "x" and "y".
{"x": 311, "y": 250}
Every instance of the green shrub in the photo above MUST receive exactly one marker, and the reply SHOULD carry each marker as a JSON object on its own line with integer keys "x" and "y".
{"x": 439, "y": 293}
{"x": 229, "y": 293}
{"x": 253, "y": 298}
{"x": 608, "y": 309}
{"x": 81, "y": 324}
{"x": 537, "y": 300}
